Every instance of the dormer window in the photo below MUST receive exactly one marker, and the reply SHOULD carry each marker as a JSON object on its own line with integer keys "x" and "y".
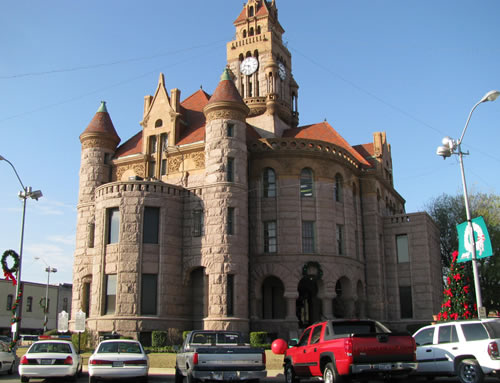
{"x": 250, "y": 12}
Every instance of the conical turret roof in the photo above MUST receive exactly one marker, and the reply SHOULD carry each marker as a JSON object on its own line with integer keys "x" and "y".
{"x": 102, "y": 126}
{"x": 226, "y": 90}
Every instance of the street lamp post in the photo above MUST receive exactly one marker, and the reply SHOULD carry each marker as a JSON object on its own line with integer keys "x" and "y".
{"x": 26, "y": 193}
{"x": 48, "y": 270}
{"x": 450, "y": 146}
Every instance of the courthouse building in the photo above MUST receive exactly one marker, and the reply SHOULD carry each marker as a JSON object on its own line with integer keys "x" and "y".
{"x": 223, "y": 212}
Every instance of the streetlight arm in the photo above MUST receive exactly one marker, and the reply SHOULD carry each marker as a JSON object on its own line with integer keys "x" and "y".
{"x": 15, "y": 171}
{"x": 467, "y": 123}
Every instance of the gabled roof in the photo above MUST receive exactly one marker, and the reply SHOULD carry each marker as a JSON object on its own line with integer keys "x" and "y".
{"x": 192, "y": 111}
{"x": 262, "y": 11}
{"x": 324, "y": 132}
{"x": 367, "y": 151}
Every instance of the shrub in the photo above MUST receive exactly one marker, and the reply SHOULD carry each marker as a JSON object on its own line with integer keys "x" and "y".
{"x": 159, "y": 339}
{"x": 83, "y": 340}
{"x": 259, "y": 339}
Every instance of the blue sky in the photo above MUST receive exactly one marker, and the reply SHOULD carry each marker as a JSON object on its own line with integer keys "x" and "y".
{"x": 413, "y": 69}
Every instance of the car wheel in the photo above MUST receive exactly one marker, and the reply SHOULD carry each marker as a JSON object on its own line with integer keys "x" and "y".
{"x": 178, "y": 375}
{"x": 469, "y": 371}
{"x": 24, "y": 379}
{"x": 290, "y": 376}
{"x": 330, "y": 374}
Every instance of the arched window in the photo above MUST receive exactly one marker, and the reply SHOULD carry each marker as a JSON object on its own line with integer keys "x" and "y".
{"x": 250, "y": 12}
{"x": 251, "y": 32}
{"x": 258, "y": 29}
{"x": 339, "y": 188}
{"x": 158, "y": 123}
{"x": 306, "y": 183}
{"x": 244, "y": 33}
{"x": 269, "y": 183}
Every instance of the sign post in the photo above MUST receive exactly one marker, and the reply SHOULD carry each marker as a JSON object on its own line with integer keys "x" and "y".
{"x": 80, "y": 317}
{"x": 62, "y": 321}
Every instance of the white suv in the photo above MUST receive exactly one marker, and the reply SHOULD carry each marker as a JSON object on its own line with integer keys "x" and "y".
{"x": 468, "y": 349}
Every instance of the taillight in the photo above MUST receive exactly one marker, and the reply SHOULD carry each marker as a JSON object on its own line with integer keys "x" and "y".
{"x": 493, "y": 350}
{"x": 99, "y": 362}
{"x": 348, "y": 346}
{"x": 24, "y": 360}
{"x": 136, "y": 362}
{"x": 68, "y": 360}
{"x": 195, "y": 358}
{"x": 264, "y": 358}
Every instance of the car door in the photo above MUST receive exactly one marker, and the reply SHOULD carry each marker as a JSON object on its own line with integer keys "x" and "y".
{"x": 311, "y": 352}
{"x": 424, "y": 339}
{"x": 446, "y": 348}
{"x": 299, "y": 356}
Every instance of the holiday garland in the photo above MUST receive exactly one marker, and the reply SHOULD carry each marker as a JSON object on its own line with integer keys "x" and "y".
{"x": 15, "y": 318}
{"x": 458, "y": 302}
{"x": 9, "y": 272}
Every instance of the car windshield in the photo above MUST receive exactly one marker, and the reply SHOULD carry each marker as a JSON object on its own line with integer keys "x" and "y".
{"x": 119, "y": 347}
{"x": 60, "y": 348}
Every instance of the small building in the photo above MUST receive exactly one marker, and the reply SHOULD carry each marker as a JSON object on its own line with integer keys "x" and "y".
{"x": 222, "y": 212}
{"x": 32, "y": 311}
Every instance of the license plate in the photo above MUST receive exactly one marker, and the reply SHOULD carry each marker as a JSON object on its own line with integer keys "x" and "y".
{"x": 46, "y": 361}
{"x": 117, "y": 364}
{"x": 385, "y": 366}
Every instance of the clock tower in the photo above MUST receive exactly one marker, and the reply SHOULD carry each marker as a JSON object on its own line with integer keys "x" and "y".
{"x": 262, "y": 69}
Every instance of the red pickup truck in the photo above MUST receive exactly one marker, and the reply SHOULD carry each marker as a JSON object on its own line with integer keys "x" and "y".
{"x": 349, "y": 348}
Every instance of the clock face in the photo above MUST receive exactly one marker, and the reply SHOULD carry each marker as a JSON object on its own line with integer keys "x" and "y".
{"x": 249, "y": 66}
{"x": 282, "y": 70}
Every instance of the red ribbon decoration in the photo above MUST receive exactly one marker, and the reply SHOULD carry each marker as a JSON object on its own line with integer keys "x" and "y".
{"x": 11, "y": 277}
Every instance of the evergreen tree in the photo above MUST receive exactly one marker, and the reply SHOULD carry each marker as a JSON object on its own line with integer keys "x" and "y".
{"x": 458, "y": 295}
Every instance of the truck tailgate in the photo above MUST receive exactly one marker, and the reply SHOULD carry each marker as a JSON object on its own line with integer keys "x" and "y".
{"x": 230, "y": 358}
{"x": 379, "y": 348}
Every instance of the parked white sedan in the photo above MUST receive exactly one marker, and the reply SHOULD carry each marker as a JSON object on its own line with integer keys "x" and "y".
{"x": 117, "y": 359}
{"x": 50, "y": 359}
{"x": 7, "y": 358}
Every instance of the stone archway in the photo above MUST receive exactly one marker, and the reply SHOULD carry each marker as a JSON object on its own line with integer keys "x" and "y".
{"x": 308, "y": 305}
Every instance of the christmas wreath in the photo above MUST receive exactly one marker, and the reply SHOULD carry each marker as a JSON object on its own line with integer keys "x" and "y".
{"x": 8, "y": 272}
{"x": 312, "y": 270}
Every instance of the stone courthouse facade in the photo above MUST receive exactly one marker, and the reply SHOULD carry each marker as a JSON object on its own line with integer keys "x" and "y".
{"x": 222, "y": 212}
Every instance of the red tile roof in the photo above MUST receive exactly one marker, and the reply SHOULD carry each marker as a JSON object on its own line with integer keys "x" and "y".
{"x": 324, "y": 132}
{"x": 226, "y": 91}
{"x": 367, "y": 151}
{"x": 131, "y": 146}
{"x": 192, "y": 111}
{"x": 262, "y": 11}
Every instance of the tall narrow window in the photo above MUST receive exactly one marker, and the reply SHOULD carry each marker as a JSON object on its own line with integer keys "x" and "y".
{"x": 270, "y": 239}
{"x": 10, "y": 299}
{"x": 29, "y": 305}
{"x": 113, "y": 225}
{"x": 152, "y": 169}
{"x": 269, "y": 183}
{"x": 306, "y": 183}
{"x": 86, "y": 298}
{"x": 230, "y": 129}
{"x": 339, "y": 188}
{"x": 152, "y": 144}
{"x": 198, "y": 223}
{"x": 149, "y": 289}
{"x": 151, "y": 224}
{"x": 340, "y": 239}
{"x": 163, "y": 167}
{"x": 405, "y": 302}
{"x": 65, "y": 304}
{"x": 230, "y": 220}
{"x": 308, "y": 237}
{"x": 402, "y": 248}
{"x": 230, "y": 169}
{"x": 110, "y": 302}
{"x": 230, "y": 295}
{"x": 164, "y": 142}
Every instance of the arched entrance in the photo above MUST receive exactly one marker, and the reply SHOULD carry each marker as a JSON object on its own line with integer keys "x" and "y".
{"x": 308, "y": 304}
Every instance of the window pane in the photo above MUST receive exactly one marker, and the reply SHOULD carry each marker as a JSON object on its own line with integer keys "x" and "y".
{"x": 198, "y": 223}
{"x": 402, "y": 248}
{"x": 306, "y": 183}
{"x": 270, "y": 237}
{"x": 113, "y": 225}
{"x": 425, "y": 337}
{"x": 340, "y": 239}
{"x": 308, "y": 237}
{"x": 149, "y": 294}
{"x": 269, "y": 183}
{"x": 339, "y": 190}
{"x": 230, "y": 169}
{"x": 151, "y": 224}
{"x": 110, "y": 294}
{"x": 230, "y": 220}
{"x": 474, "y": 331}
{"x": 447, "y": 334}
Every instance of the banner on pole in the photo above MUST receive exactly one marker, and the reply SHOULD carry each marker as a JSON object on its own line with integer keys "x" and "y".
{"x": 465, "y": 240}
